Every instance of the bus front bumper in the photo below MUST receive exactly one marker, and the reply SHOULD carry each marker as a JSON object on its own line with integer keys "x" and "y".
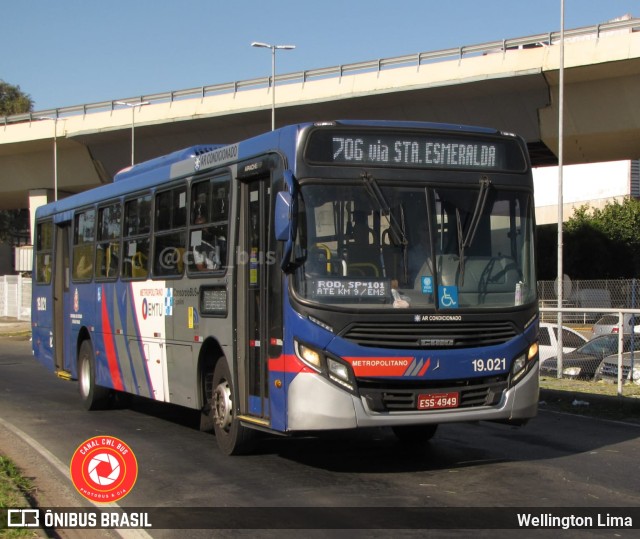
{"x": 317, "y": 404}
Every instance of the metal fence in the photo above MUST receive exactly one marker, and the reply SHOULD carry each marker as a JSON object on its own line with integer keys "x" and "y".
{"x": 588, "y": 294}
{"x": 15, "y": 297}
{"x": 610, "y": 308}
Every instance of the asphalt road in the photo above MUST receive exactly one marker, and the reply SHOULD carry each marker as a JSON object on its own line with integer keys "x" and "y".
{"x": 555, "y": 461}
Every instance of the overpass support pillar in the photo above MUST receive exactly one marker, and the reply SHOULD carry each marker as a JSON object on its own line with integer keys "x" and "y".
{"x": 37, "y": 198}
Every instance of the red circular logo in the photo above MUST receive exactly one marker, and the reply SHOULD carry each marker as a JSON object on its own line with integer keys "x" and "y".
{"x": 104, "y": 469}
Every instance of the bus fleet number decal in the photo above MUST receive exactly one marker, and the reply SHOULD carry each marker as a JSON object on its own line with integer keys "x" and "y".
{"x": 490, "y": 365}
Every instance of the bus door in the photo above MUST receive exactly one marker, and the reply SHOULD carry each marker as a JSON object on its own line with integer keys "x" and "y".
{"x": 253, "y": 268}
{"x": 61, "y": 278}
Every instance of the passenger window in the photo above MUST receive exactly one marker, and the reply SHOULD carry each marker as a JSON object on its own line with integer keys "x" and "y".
{"x": 108, "y": 245}
{"x": 83, "y": 238}
{"x": 171, "y": 235}
{"x": 44, "y": 252}
{"x": 135, "y": 245}
{"x": 209, "y": 225}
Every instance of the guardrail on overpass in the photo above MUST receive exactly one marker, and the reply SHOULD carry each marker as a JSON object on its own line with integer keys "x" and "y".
{"x": 417, "y": 59}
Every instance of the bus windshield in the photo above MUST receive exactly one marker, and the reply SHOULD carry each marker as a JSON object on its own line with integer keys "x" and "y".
{"x": 379, "y": 244}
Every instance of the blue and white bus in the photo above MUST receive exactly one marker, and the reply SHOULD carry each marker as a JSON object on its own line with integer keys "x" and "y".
{"x": 322, "y": 276}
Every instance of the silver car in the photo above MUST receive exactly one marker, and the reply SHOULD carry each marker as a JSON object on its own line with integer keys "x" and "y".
{"x": 608, "y": 369}
{"x": 609, "y": 324}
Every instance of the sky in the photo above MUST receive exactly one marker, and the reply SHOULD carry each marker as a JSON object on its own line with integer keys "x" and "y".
{"x": 73, "y": 52}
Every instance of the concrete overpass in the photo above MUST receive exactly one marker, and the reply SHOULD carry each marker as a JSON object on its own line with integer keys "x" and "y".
{"x": 511, "y": 85}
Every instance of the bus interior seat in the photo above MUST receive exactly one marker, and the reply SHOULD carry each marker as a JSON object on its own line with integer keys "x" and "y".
{"x": 318, "y": 260}
{"x": 83, "y": 268}
{"x": 363, "y": 253}
{"x": 111, "y": 261}
{"x": 180, "y": 260}
{"x": 139, "y": 265}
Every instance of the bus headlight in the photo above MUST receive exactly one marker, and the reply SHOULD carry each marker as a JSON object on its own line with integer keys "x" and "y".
{"x": 521, "y": 363}
{"x": 334, "y": 369}
{"x": 340, "y": 373}
{"x": 309, "y": 356}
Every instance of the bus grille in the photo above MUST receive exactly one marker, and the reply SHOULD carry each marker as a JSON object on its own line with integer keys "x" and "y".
{"x": 400, "y": 398}
{"x": 429, "y": 335}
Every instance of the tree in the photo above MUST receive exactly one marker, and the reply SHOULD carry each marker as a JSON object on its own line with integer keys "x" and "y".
{"x": 14, "y": 224}
{"x": 13, "y": 100}
{"x": 14, "y": 227}
{"x": 598, "y": 243}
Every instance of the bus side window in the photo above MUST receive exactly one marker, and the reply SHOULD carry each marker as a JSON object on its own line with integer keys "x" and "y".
{"x": 135, "y": 255}
{"x": 209, "y": 225}
{"x": 44, "y": 250}
{"x": 83, "y": 238}
{"x": 108, "y": 245}
{"x": 170, "y": 232}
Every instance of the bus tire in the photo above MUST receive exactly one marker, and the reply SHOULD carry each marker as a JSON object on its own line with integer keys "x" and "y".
{"x": 94, "y": 397}
{"x": 206, "y": 413}
{"x": 415, "y": 434}
{"x": 232, "y": 437}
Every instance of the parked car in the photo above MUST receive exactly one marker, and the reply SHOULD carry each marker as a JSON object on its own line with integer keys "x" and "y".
{"x": 548, "y": 340}
{"x": 609, "y": 324}
{"x": 608, "y": 369}
{"x": 583, "y": 362}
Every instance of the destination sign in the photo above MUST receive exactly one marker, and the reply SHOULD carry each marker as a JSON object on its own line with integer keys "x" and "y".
{"x": 414, "y": 150}
{"x": 338, "y": 288}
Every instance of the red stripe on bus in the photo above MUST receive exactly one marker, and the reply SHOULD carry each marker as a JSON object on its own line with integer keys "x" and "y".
{"x": 288, "y": 363}
{"x": 109, "y": 347}
{"x": 425, "y": 367}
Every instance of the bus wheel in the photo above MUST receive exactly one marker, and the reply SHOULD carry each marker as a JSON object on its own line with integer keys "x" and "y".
{"x": 232, "y": 437}
{"x": 415, "y": 434}
{"x": 94, "y": 397}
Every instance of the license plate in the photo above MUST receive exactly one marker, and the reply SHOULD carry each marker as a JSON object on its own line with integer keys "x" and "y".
{"x": 434, "y": 401}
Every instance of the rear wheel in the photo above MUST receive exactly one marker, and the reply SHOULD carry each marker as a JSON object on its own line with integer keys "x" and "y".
{"x": 206, "y": 413}
{"x": 94, "y": 397}
{"x": 415, "y": 434}
{"x": 232, "y": 437}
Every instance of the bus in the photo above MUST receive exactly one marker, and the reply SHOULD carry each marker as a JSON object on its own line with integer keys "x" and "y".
{"x": 330, "y": 275}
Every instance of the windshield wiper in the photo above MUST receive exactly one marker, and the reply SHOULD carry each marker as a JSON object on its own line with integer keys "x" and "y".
{"x": 481, "y": 202}
{"x": 396, "y": 230}
{"x": 463, "y": 243}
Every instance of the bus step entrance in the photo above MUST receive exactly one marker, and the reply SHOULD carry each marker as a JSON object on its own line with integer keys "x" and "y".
{"x": 65, "y": 375}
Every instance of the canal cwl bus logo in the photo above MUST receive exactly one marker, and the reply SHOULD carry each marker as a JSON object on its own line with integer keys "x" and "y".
{"x": 103, "y": 469}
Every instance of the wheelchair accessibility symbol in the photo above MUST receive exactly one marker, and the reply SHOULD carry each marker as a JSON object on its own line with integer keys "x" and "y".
{"x": 448, "y": 297}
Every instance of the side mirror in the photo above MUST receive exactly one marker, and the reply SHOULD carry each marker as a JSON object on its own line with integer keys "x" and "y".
{"x": 286, "y": 218}
{"x": 283, "y": 216}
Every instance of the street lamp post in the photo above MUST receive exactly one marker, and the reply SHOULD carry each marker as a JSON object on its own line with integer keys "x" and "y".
{"x": 55, "y": 153}
{"x": 273, "y": 73}
{"x": 560, "y": 277}
{"x": 133, "y": 124}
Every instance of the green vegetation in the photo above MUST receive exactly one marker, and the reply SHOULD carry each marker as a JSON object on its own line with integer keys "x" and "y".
{"x": 14, "y": 489}
{"x": 595, "y": 399}
{"x": 599, "y": 243}
{"x": 13, "y": 100}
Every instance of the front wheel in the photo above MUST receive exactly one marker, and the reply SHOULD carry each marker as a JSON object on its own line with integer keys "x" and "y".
{"x": 232, "y": 437}
{"x": 415, "y": 434}
{"x": 94, "y": 397}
